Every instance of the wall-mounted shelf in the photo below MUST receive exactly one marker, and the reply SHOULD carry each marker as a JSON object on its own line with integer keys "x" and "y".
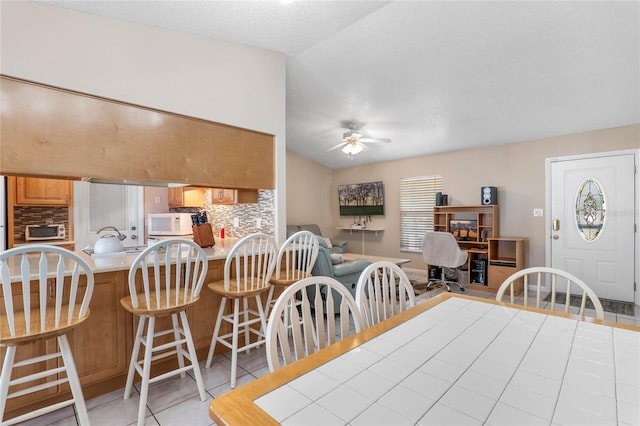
{"x": 363, "y": 230}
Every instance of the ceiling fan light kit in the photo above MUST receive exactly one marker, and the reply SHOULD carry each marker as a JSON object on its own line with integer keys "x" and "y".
{"x": 351, "y": 149}
{"x": 354, "y": 142}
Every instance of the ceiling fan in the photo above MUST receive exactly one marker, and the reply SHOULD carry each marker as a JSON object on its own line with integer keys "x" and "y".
{"x": 353, "y": 142}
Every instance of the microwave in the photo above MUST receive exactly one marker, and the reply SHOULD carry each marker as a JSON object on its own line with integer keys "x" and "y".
{"x": 44, "y": 232}
{"x": 169, "y": 224}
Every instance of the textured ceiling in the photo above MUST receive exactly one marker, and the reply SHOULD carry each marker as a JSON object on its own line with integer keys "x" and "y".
{"x": 430, "y": 76}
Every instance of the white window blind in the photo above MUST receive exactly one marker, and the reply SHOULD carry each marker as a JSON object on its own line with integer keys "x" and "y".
{"x": 417, "y": 198}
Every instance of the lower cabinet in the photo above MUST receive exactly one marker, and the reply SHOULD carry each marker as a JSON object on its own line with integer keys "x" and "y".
{"x": 506, "y": 257}
{"x": 102, "y": 345}
{"x": 204, "y": 312}
{"x": 31, "y": 350}
{"x": 30, "y": 401}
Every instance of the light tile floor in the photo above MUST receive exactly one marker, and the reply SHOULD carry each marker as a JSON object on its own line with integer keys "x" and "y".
{"x": 176, "y": 401}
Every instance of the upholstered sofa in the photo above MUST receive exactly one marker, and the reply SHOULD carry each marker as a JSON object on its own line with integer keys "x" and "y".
{"x": 337, "y": 246}
{"x": 332, "y": 265}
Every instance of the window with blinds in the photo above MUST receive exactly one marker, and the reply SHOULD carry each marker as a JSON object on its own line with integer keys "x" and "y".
{"x": 417, "y": 198}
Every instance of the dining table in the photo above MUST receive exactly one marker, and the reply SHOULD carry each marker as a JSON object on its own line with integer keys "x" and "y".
{"x": 455, "y": 359}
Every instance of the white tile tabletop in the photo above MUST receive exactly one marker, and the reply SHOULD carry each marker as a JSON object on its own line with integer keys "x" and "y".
{"x": 533, "y": 369}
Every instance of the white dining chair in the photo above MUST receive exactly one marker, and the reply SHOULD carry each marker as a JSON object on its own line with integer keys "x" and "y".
{"x": 383, "y": 291}
{"x": 295, "y": 260}
{"x": 247, "y": 271}
{"x": 309, "y": 326}
{"x": 550, "y": 282}
{"x": 49, "y": 297}
{"x": 164, "y": 280}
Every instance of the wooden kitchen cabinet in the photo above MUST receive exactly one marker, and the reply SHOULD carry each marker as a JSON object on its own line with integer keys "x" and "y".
{"x": 249, "y": 156}
{"x": 30, "y": 350}
{"x": 185, "y": 196}
{"x": 233, "y": 196}
{"x": 101, "y": 345}
{"x": 203, "y": 318}
{"x": 42, "y": 192}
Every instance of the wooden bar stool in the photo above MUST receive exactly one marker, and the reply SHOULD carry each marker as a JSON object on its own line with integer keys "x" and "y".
{"x": 46, "y": 300}
{"x": 247, "y": 271}
{"x": 164, "y": 280}
{"x": 295, "y": 260}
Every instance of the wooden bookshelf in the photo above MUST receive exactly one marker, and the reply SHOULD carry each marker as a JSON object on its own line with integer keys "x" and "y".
{"x": 506, "y": 257}
{"x": 486, "y": 218}
{"x": 475, "y": 243}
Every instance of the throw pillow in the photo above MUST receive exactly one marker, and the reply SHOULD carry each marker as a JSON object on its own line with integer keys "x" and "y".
{"x": 322, "y": 242}
{"x": 328, "y": 242}
{"x": 336, "y": 258}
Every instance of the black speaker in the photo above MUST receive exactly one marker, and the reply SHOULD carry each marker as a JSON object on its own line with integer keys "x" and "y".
{"x": 489, "y": 195}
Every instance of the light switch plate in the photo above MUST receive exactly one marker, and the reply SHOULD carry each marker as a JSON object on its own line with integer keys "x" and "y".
{"x": 259, "y": 222}
{"x": 537, "y": 212}
{"x": 236, "y": 222}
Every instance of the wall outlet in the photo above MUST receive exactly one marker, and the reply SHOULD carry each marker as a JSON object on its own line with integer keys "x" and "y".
{"x": 537, "y": 212}
{"x": 259, "y": 223}
{"x": 236, "y": 222}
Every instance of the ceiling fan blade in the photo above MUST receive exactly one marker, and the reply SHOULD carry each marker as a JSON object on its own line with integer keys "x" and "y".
{"x": 337, "y": 146}
{"x": 374, "y": 140}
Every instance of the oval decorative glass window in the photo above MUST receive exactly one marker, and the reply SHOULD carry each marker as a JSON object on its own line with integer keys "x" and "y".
{"x": 590, "y": 209}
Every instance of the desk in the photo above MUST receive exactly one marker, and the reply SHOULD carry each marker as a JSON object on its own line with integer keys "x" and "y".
{"x": 373, "y": 259}
{"x": 455, "y": 359}
{"x": 362, "y": 231}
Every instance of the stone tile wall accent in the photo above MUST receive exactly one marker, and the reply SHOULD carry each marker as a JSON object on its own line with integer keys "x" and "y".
{"x": 247, "y": 215}
{"x": 23, "y": 216}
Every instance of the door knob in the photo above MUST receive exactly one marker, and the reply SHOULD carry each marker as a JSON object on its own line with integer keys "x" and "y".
{"x": 556, "y": 224}
{"x": 555, "y": 237}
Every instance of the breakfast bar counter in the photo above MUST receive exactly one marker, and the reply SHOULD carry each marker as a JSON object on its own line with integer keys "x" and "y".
{"x": 110, "y": 262}
{"x": 102, "y": 345}
{"x": 121, "y": 261}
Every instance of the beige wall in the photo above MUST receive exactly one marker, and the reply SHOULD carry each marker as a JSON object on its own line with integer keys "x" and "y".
{"x": 517, "y": 169}
{"x": 309, "y": 193}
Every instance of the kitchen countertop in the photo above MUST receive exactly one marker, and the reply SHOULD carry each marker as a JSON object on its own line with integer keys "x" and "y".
{"x": 111, "y": 262}
{"x": 48, "y": 242}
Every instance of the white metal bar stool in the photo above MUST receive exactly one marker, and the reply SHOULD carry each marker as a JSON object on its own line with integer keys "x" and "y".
{"x": 45, "y": 297}
{"x": 164, "y": 280}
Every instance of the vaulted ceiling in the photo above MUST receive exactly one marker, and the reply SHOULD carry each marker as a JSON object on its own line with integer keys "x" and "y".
{"x": 432, "y": 76}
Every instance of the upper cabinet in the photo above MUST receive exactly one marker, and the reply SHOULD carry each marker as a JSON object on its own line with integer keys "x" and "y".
{"x": 233, "y": 196}
{"x": 41, "y": 192}
{"x": 124, "y": 141}
{"x": 186, "y": 197}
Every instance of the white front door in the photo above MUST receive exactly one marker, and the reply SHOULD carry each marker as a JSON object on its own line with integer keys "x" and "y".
{"x": 98, "y": 205}
{"x": 591, "y": 221}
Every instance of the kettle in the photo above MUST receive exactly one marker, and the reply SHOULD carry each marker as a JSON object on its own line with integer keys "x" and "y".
{"x": 109, "y": 243}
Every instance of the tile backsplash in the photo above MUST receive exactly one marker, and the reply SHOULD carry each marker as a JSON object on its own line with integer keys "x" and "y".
{"x": 247, "y": 215}
{"x": 23, "y": 216}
